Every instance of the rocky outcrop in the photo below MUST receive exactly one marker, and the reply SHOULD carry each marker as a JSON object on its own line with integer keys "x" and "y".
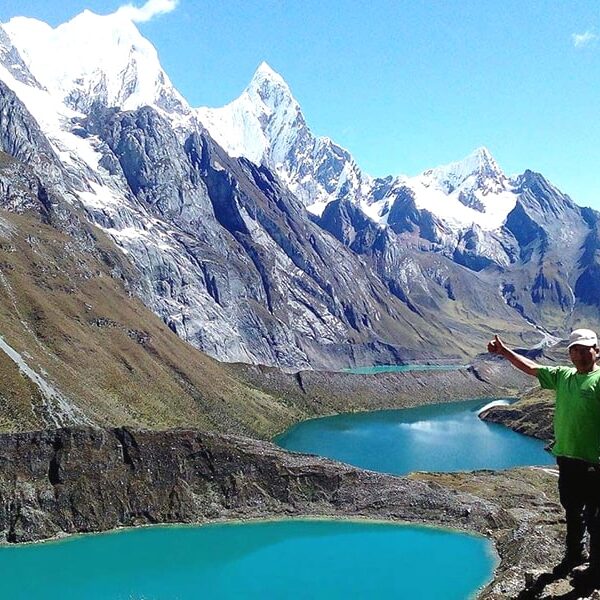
{"x": 66, "y": 481}
{"x": 20, "y": 135}
{"x": 532, "y": 415}
{"x": 73, "y": 480}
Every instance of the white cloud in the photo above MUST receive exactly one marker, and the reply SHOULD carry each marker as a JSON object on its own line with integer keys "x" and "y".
{"x": 152, "y": 8}
{"x": 584, "y": 39}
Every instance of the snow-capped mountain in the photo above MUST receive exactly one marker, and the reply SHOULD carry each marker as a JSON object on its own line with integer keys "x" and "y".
{"x": 61, "y": 73}
{"x": 468, "y": 211}
{"x": 215, "y": 228}
{"x": 265, "y": 125}
{"x": 471, "y": 191}
{"x": 94, "y": 58}
{"x": 261, "y": 124}
{"x": 460, "y": 207}
{"x": 218, "y": 248}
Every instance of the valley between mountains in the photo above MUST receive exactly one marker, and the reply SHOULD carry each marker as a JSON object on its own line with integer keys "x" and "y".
{"x": 217, "y": 269}
{"x": 258, "y": 242}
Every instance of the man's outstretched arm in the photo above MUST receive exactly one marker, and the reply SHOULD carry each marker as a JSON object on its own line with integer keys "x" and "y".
{"x": 496, "y": 346}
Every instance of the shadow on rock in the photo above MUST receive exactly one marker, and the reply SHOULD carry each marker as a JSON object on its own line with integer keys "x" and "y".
{"x": 535, "y": 588}
{"x": 580, "y": 587}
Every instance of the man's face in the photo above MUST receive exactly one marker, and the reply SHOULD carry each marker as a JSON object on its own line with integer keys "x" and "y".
{"x": 583, "y": 357}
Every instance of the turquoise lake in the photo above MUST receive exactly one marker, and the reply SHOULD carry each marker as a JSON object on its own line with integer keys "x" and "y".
{"x": 439, "y": 437}
{"x": 297, "y": 559}
{"x": 402, "y": 369}
{"x": 258, "y": 561}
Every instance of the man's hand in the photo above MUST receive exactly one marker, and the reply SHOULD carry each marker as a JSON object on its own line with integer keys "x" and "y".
{"x": 496, "y": 346}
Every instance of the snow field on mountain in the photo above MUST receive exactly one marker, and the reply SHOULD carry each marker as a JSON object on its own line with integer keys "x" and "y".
{"x": 54, "y": 118}
{"x": 449, "y": 208}
{"x": 79, "y": 54}
{"x": 236, "y": 129}
{"x": 265, "y": 124}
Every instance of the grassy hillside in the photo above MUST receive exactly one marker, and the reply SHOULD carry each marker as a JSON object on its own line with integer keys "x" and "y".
{"x": 71, "y": 319}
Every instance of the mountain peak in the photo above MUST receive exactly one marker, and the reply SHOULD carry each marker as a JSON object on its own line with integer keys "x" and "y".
{"x": 470, "y": 191}
{"x": 113, "y": 63}
{"x": 479, "y": 165}
{"x": 268, "y": 86}
{"x": 258, "y": 124}
{"x": 482, "y": 152}
{"x": 265, "y": 71}
{"x": 88, "y": 19}
{"x": 482, "y": 160}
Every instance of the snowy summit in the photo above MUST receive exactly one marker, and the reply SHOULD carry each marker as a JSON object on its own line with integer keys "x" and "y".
{"x": 94, "y": 58}
{"x": 258, "y": 125}
{"x": 471, "y": 191}
{"x": 114, "y": 65}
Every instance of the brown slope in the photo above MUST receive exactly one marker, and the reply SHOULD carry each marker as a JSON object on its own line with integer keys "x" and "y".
{"x": 67, "y": 315}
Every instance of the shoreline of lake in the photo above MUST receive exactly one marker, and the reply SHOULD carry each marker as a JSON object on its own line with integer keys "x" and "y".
{"x": 441, "y": 438}
{"x": 312, "y": 394}
{"x": 65, "y": 537}
{"x": 268, "y": 544}
{"x": 404, "y": 368}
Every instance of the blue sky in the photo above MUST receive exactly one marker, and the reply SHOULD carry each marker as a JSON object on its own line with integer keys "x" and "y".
{"x": 405, "y": 85}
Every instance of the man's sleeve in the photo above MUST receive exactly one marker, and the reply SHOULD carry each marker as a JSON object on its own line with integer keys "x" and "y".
{"x": 548, "y": 377}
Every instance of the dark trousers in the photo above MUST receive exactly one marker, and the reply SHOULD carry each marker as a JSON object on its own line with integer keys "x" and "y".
{"x": 579, "y": 489}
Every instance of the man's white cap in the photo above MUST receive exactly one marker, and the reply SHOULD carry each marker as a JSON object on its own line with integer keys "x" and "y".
{"x": 583, "y": 337}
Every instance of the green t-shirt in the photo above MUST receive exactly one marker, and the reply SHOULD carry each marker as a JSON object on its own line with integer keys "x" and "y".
{"x": 577, "y": 411}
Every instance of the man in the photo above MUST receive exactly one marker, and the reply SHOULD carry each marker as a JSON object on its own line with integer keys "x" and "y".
{"x": 577, "y": 443}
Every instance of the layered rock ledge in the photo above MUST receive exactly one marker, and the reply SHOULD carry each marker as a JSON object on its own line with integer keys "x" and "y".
{"x": 64, "y": 481}
{"x": 532, "y": 415}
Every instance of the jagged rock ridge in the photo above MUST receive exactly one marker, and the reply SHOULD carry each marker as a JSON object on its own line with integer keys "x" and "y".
{"x": 511, "y": 231}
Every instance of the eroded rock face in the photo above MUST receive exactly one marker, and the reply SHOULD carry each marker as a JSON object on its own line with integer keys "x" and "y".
{"x": 83, "y": 479}
{"x": 218, "y": 247}
{"x": 531, "y": 415}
